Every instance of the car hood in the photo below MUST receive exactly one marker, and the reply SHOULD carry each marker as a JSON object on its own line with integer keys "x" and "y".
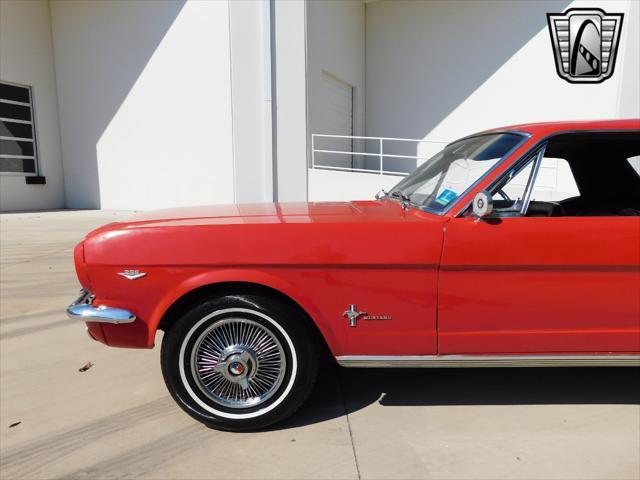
{"x": 272, "y": 234}
{"x": 294, "y": 212}
{"x": 246, "y": 212}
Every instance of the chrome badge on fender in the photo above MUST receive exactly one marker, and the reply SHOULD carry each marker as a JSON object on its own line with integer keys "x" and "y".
{"x": 353, "y": 315}
{"x": 132, "y": 274}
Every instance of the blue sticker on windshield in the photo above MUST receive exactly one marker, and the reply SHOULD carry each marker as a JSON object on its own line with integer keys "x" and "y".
{"x": 446, "y": 196}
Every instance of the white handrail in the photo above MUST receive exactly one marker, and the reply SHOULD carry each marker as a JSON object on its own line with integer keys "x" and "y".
{"x": 341, "y": 152}
{"x": 380, "y": 153}
{"x": 355, "y": 137}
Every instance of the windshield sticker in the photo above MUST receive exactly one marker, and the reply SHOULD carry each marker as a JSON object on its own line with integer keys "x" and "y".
{"x": 446, "y": 197}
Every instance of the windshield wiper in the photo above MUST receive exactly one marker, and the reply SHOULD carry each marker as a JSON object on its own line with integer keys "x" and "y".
{"x": 405, "y": 200}
{"x": 400, "y": 195}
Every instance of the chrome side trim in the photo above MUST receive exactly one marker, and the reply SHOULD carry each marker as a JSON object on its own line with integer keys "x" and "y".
{"x": 526, "y": 199}
{"x": 100, "y": 314}
{"x": 472, "y": 361}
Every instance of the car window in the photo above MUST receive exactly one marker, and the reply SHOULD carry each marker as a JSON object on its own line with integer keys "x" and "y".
{"x": 555, "y": 182}
{"x": 514, "y": 189}
{"x": 635, "y": 163}
{"x": 586, "y": 174}
{"x": 438, "y": 182}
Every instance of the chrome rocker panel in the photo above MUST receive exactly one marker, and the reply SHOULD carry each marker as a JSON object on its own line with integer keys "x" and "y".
{"x": 83, "y": 310}
{"x": 472, "y": 361}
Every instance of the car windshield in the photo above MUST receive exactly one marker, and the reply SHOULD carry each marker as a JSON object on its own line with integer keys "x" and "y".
{"x": 448, "y": 175}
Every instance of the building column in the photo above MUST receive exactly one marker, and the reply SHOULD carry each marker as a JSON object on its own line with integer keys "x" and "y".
{"x": 291, "y": 164}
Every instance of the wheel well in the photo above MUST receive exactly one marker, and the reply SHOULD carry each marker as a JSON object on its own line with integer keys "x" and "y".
{"x": 188, "y": 300}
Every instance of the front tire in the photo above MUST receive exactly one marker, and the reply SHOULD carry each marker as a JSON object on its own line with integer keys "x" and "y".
{"x": 240, "y": 362}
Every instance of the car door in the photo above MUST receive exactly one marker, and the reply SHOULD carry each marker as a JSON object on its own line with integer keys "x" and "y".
{"x": 537, "y": 285}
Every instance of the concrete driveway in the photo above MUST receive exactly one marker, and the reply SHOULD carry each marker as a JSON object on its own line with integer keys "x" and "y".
{"x": 116, "y": 420}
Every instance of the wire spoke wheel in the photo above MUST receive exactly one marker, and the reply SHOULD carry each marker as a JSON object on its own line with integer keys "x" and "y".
{"x": 238, "y": 363}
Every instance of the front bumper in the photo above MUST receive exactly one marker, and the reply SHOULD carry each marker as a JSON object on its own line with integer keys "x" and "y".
{"x": 83, "y": 309}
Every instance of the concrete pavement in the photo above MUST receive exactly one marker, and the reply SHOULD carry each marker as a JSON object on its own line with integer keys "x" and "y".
{"x": 116, "y": 419}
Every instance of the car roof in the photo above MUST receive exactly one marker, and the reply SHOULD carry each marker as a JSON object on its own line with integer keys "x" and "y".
{"x": 547, "y": 128}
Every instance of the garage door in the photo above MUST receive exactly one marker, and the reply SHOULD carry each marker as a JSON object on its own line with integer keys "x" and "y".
{"x": 337, "y": 116}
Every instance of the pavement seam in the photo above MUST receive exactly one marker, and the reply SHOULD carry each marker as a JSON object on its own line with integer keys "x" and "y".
{"x": 346, "y": 414}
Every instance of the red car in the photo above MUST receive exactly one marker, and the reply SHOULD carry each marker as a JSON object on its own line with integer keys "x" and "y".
{"x": 513, "y": 247}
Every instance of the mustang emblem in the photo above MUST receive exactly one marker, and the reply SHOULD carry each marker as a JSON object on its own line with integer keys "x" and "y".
{"x": 352, "y": 314}
{"x": 132, "y": 274}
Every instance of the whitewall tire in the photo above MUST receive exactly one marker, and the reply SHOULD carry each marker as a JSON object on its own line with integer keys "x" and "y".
{"x": 240, "y": 362}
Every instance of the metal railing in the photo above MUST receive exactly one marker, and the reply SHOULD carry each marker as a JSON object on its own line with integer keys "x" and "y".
{"x": 379, "y": 154}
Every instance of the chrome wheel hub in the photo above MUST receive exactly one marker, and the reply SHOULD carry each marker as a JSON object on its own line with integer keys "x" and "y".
{"x": 238, "y": 363}
{"x": 237, "y": 368}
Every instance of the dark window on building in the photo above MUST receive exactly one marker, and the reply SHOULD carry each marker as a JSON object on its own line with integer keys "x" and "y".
{"x": 18, "y": 149}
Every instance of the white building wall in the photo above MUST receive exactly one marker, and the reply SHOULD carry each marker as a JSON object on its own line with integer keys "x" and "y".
{"x": 331, "y": 185}
{"x": 145, "y": 103}
{"x": 439, "y": 70}
{"x": 251, "y": 100}
{"x": 26, "y": 57}
{"x": 629, "y": 105}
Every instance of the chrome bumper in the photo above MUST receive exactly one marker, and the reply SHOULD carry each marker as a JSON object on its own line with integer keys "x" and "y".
{"x": 83, "y": 309}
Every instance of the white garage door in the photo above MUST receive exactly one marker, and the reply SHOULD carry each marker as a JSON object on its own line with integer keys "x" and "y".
{"x": 337, "y": 116}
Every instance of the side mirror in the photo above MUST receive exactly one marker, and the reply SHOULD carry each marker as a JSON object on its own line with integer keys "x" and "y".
{"x": 482, "y": 204}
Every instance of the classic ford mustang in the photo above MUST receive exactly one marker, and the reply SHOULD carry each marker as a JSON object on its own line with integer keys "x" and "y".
{"x": 513, "y": 247}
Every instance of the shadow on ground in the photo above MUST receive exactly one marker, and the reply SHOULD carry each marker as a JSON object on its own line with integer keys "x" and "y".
{"x": 341, "y": 390}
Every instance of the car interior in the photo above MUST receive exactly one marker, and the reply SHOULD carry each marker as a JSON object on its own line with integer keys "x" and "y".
{"x": 606, "y": 175}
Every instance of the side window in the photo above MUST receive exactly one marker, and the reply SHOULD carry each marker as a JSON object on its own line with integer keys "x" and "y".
{"x": 635, "y": 163}
{"x": 538, "y": 187}
{"x": 579, "y": 174}
{"x": 510, "y": 195}
{"x": 555, "y": 182}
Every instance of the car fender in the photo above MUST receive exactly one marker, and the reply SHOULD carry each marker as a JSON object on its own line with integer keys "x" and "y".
{"x": 251, "y": 276}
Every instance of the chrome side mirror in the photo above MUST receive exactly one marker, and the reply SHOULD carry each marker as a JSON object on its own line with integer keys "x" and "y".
{"x": 482, "y": 204}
